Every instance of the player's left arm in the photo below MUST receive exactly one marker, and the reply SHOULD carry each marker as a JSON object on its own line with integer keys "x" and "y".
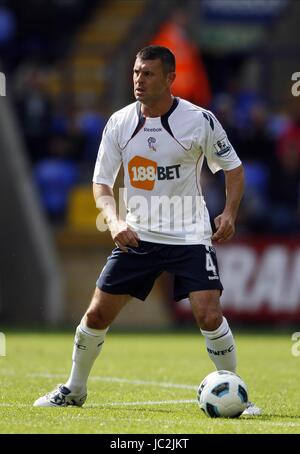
{"x": 225, "y": 222}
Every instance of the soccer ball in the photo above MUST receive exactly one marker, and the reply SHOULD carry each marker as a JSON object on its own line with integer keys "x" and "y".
{"x": 222, "y": 394}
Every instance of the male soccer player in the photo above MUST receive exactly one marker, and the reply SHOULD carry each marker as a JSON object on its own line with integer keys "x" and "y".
{"x": 161, "y": 141}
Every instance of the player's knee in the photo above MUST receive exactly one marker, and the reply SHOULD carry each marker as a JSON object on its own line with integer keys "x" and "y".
{"x": 209, "y": 320}
{"x": 96, "y": 319}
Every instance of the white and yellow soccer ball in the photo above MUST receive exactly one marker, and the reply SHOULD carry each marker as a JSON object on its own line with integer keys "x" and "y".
{"x": 222, "y": 394}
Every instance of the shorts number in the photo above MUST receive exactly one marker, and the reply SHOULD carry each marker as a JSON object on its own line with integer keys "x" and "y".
{"x": 210, "y": 267}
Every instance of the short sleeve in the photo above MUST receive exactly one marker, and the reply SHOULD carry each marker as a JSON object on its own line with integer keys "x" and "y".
{"x": 219, "y": 152}
{"x": 109, "y": 157}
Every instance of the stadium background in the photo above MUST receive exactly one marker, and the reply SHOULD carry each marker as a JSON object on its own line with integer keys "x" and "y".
{"x": 68, "y": 66}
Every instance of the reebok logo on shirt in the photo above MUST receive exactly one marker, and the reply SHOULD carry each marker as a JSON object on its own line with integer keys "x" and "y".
{"x": 143, "y": 172}
{"x": 153, "y": 129}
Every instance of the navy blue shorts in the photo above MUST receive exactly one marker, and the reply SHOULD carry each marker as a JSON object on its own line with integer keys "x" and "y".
{"x": 194, "y": 268}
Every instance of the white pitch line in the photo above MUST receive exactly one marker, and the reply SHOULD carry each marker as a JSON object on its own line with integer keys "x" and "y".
{"x": 163, "y": 402}
{"x": 3, "y": 404}
{"x": 159, "y": 402}
{"x": 114, "y": 404}
{"x": 272, "y": 423}
{"x": 124, "y": 380}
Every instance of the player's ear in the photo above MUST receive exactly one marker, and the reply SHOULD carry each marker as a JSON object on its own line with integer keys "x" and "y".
{"x": 171, "y": 77}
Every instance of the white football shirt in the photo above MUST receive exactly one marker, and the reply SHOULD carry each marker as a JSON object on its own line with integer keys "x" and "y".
{"x": 162, "y": 159}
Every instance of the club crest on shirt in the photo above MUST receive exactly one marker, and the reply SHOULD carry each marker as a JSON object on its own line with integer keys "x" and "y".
{"x": 151, "y": 142}
{"x": 222, "y": 147}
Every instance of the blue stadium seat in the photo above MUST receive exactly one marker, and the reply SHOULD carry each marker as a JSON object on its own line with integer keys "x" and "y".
{"x": 55, "y": 178}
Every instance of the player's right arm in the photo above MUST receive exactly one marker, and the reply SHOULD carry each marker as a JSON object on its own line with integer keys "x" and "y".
{"x": 107, "y": 166}
{"x": 121, "y": 233}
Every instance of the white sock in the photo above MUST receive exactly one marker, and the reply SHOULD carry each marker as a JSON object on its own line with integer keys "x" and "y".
{"x": 87, "y": 346}
{"x": 221, "y": 347}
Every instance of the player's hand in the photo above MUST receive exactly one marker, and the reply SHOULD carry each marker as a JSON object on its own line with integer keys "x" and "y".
{"x": 225, "y": 228}
{"x": 123, "y": 235}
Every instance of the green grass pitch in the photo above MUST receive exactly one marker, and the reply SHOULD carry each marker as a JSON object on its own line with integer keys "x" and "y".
{"x": 145, "y": 383}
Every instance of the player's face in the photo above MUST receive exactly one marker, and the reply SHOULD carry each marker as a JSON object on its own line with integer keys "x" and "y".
{"x": 149, "y": 80}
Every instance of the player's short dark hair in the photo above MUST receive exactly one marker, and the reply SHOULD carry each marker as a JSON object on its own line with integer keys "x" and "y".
{"x": 159, "y": 52}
